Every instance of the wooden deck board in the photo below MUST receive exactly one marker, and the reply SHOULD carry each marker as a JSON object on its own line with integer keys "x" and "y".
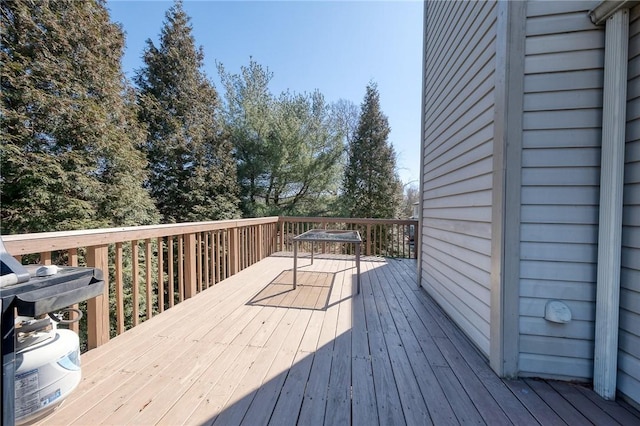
{"x": 321, "y": 355}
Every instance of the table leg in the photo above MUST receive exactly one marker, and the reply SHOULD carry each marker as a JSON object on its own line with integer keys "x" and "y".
{"x": 358, "y": 264}
{"x": 313, "y": 248}
{"x": 295, "y": 263}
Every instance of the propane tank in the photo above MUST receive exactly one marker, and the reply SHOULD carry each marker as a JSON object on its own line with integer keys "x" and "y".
{"x": 47, "y": 367}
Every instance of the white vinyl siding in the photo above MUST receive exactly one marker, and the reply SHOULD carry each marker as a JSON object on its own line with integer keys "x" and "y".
{"x": 564, "y": 58}
{"x": 629, "y": 337}
{"x": 459, "y": 113}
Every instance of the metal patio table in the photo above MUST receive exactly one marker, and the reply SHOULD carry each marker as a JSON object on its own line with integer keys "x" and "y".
{"x": 326, "y": 236}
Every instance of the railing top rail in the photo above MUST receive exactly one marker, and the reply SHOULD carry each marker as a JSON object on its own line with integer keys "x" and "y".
{"x": 363, "y": 221}
{"x": 21, "y": 244}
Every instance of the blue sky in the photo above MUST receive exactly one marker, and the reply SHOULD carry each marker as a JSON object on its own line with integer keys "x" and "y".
{"x": 335, "y": 47}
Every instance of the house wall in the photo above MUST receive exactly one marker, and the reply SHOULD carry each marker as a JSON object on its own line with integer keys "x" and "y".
{"x": 457, "y": 158}
{"x": 564, "y": 58}
{"x": 629, "y": 336}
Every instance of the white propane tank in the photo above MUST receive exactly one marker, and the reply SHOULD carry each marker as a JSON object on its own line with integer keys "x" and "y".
{"x": 46, "y": 372}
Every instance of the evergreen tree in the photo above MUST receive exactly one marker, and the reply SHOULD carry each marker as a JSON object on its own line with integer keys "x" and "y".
{"x": 69, "y": 156}
{"x": 372, "y": 188}
{"x": 192, "y": 170}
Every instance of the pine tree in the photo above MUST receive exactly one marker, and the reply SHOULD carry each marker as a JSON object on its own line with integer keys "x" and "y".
{"x": 69, "y": 156}
{"x": 371, "y": 185}
{"x": 192, "y": 170}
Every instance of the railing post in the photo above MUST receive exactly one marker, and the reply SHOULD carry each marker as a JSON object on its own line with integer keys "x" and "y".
{"x": 190, "y": 266}
{"x": 234, "y": 251}
{"x": 98, "y": 307}
{"x": 368, "y": 237}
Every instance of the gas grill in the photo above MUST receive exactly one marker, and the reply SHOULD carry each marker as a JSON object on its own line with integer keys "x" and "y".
{"x": 33, "y": 292}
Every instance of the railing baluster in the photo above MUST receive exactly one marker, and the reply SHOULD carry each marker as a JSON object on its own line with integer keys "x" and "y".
{"x": 160, "y": 274}
{"x": 119, "y": 290}
{"x": 180, "y": 268}
{"x": 170, "y": 260}
{"x": 191, "y": 275}
{"x": 73, "y": 261}
{"x": 134, "y": 281}
{"x": 148, "y": 281}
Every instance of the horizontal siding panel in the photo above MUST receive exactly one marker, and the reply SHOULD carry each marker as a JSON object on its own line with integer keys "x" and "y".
{"x": 462, "y": 154}
{"x": 533, "y": 365}
{"x": 564, "y": 233}
{"x": 477, "y": 244}
{"x": 564, "y": 42}
{"x": 562, "y": 138}
{"x": 467, "y": 172}
{"x": 470, "y": 71}
{"x": 629, "y": 343}
{"x": 628, "y": 385}
{"x": 575, "y": 119}
{"x": 577, "y": 21}
{"x": 478, "y": 335}
{"x": 475, "y": 229}
{"x": 467, "y": 276}
{"x": 634, "y": 67}
{"x": 546, "y": 7}
{"x": 564, "y": 81}
{"x": 562, "y": 157}
{"x": 571, "y": 330}
{"x": 470, "y": 263}
{"x": 470, "y": 199}
{"x": 560, "y": 214}
{"x": 561, "y": 195}
{"x": 558, "y": 271}
{"x": 534, "y": 307}
{"x": 474, "y": 126}
{"x": 630, "y": 279}
{"x": 474, "y": 184}
{"x": 450, "y": 287}
{"x": 631, "y": 237}
{"x": 446, "y": 36}
{"x": 563, "y": 100}
{"x": 557, "y": 252}
{"x": 630, "y": 303}
{"x": 558, "y": 290}
{"x": 630, "y": 259}
{"x": 632, "y": 153}
{"x": 631, "y": 194}
{"x": 633, "y": 109}
{"x": 454, "y": 73}
{"x": 564, "y": 61}
{"x": 633, "y": 90}
{"x": 478, "y": 214}
{"x": 478, "y": 99}
{"x": 631, "y": 215}
{"x": 629, "y": 319}
{"x": 572, "y": 176}
{"x": 540, "y": 345}
{"x": 630, "y": 365}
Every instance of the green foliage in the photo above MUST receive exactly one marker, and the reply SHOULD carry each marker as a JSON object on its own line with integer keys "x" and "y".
{"x": 372, "y": 188}
{"x": 69, "y": 156}
{"x": 192, "y": 170}
{"x": 288, "y": 148}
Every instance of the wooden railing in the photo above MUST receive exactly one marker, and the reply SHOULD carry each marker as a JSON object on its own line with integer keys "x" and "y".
{"x": 148, "y": 269}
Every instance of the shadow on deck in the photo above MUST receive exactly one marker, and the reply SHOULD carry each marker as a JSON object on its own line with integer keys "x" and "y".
{"x": 252, "y": 351}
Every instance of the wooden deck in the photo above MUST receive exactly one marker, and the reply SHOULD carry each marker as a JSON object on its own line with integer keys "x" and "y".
{"x": 252, "y": 351}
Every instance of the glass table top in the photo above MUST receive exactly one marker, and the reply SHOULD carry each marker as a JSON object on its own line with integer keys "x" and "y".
{"x": 330, "y": 235}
